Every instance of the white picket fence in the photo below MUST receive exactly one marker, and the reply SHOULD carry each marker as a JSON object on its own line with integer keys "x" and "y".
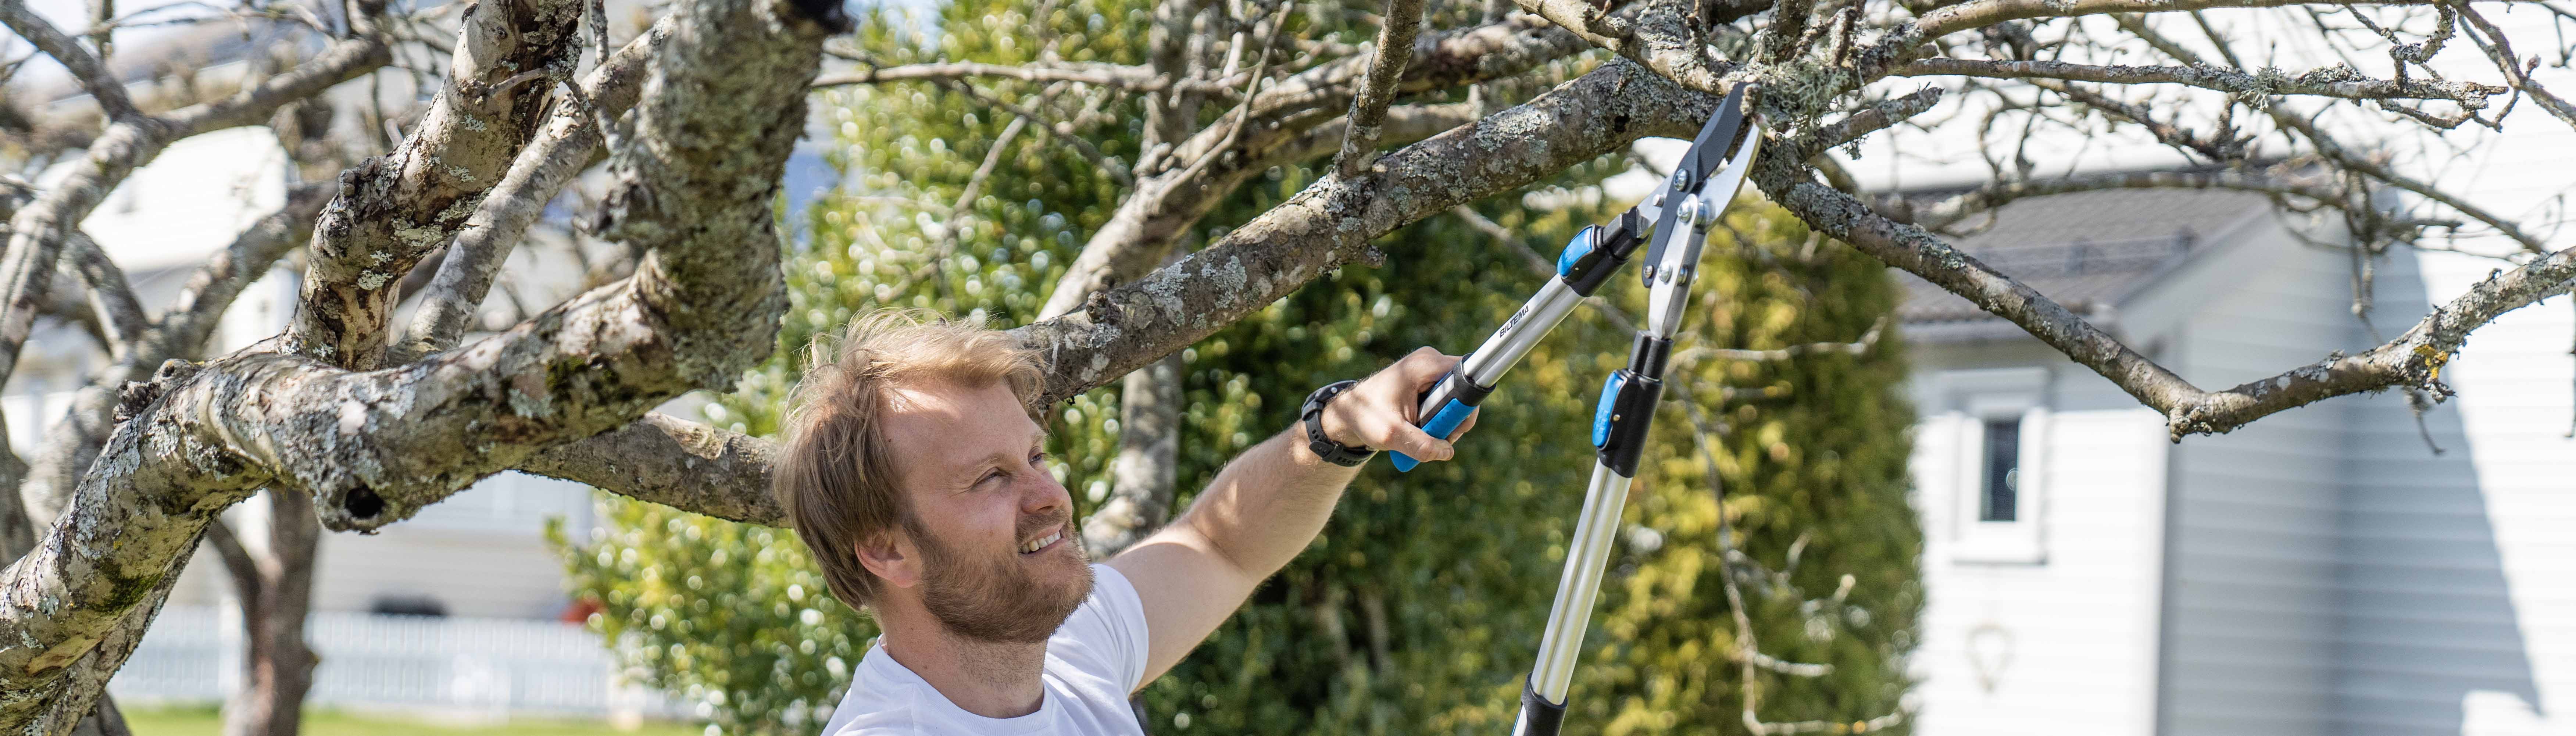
{"x": 473, "y": 667}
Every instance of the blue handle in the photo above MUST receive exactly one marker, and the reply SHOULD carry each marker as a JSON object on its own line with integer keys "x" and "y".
{"x": 1441, "y": 424}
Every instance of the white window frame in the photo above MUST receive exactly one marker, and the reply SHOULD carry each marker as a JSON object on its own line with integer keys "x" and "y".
{"x": 1973, "y": 398}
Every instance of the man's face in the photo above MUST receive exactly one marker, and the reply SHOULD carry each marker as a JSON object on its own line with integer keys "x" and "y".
{"x": 981, "y": 496}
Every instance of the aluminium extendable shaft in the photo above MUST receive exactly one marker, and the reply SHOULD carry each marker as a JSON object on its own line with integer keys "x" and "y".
{"x": 1589, "y": 260}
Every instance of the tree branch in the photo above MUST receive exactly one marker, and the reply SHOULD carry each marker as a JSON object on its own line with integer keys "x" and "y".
{"x": 395, "y": 209}
{"x": 243, "y": 569}
{"x": 699, "y": 468}
{"x": 674, "y": 462}
{"x": 93, "y": 76}
{"x": 1143, "y": 476}
{"x": 1164, "y": 204}
{"x": 1331, "y": 222}
{"x": 2412, "y": 360}
{"x": 37, "y": 232}
{"x": 110, "y": 295}
{"x": 2215, "y": 150}
{"x": 558, "y": 153}
{"x": 2500, "y": 50}
{"x": 696, "y": 187}
{"x": 1115, "y": 76}
{"x": 1982, "y": 13}
{"x": 1880, "y": 116}
{"x": 2338, "y": 81}
{"x": 73, "y": 441}
{"x": 1995, "y": 195}
{"x": 1377, "y": 87}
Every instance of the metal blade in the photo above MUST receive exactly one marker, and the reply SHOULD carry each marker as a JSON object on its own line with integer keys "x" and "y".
{"x": 1716, "y": 141}
{"x": 1687, "y": 174}
{"x": 1706, "y": 152}
{"x": 1720, "y": 189}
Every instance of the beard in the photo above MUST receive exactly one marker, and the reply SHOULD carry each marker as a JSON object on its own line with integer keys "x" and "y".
{"x": 1005, "y": 599}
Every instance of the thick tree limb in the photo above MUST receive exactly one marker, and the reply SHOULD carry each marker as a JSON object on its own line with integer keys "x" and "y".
{"x": 72, "y": 441}
{"x": 674, "y": 462}
{"x": 2329, "y": 82}
{"x": 1330, "y": 223}
{"x": 721, "y": 113}
{"x": 79, "y": 716}
{"x": 1125, "y": 328}
{"x": 1394, "y": 48}
{"x": 558, "y": 153}
{"x": 395, "y": 209}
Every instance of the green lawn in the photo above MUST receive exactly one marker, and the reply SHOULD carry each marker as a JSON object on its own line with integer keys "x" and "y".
{"x": 204, "y": 721}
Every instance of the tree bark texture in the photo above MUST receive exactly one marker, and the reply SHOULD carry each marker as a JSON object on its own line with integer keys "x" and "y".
{"x": 350, "y": 432}
{"x": 722, "y": 108}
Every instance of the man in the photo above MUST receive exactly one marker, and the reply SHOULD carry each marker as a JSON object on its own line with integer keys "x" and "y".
{"x": 914, "y": 471}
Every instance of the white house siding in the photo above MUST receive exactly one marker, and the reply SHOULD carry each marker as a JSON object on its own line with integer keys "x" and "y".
{"x": 2066, "y": 644}
{"x": 2459, "y": 575}
{"x": 2251, "y": 609}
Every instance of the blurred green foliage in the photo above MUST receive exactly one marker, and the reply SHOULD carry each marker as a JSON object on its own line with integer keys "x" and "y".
{"x": 1418, "y": 609}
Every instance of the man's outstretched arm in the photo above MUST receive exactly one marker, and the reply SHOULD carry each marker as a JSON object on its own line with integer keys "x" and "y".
{"x": 1265, "y": 507}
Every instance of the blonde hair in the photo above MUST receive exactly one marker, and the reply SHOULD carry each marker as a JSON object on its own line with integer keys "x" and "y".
{"x": 836, "y": 474}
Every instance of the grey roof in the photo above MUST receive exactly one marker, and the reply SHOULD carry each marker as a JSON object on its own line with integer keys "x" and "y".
{"x": 2086, "y": 249}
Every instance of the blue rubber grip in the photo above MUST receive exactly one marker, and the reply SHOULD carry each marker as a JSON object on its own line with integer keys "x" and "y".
{"x": 1440, "y": 426}
{"x": 1582, "y": 245}
{"x": 1609, "y": 402}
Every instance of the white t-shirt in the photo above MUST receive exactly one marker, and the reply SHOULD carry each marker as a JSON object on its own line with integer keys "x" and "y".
{"x": 1092, "y": 662}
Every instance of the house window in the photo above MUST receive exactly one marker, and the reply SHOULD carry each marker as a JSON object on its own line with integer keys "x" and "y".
{"x": 1988, "y": 464}
{"x": 2002, "y": 461}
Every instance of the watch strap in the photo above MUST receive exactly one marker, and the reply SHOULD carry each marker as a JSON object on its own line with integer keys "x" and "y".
{"x": 1312, "y": 414}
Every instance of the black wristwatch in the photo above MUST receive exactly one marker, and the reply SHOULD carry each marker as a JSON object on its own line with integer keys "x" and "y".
{"x": 1324, "y": 447}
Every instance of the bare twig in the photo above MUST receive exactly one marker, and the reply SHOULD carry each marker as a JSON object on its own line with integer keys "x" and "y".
{"x": 1980, "y": 13}
{"x": 1943, "y": 214}
{"x": 109, "y": 293}
{"x": 1061, "y": 130}
{"x": 1377, "y": 87}
{"x": 1128, "y": 78}
{"x": 2492, "y": 41}
{"x": 2336, "y": 81}
{"x": 1867, "y": 339}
